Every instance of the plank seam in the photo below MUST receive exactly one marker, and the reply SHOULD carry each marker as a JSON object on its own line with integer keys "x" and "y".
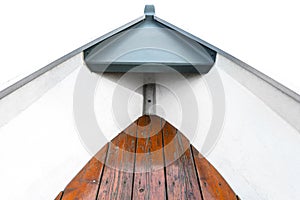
{"x": 62, "y": 194}
{"x": 102, "y": 172}
{"x": 183, "y": 156}
{"x": 133, "y": 170}
{"x": 180, "y": 135}
{"x": 198, "y": 179}
{"x": 165, "y": 169}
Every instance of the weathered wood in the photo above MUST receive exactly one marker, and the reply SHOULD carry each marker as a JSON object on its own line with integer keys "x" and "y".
{"x": 86, "y": 182}
{"x": 213, "y": 185}
{"x": 149, "y": 179}
{"x": 59, "y": 196}
{"x": 181, "y": 177}
{"x": 149, "y": 160}
{"x": 117, "y": 178}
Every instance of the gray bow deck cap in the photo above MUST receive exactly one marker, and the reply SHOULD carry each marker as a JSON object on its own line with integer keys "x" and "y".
{"x": 149, "y": 46}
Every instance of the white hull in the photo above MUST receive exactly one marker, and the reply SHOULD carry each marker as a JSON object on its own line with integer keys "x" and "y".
{"x": 257, "y": 151}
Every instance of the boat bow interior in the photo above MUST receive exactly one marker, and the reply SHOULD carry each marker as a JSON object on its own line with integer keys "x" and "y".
{"x": 172, "y": 117}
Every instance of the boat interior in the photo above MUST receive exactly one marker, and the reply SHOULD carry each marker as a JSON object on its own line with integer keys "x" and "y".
{"x": 72, "y": 130}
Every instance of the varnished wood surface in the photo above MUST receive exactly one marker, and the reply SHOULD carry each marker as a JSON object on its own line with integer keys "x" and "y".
{"x": 212, "y": 183}
{"x": 149, "y": 181}
{"x": 118, "y": 172}
{"x": 86, "y": 183}
{"x": 148, "y": 160}
{"x": 181, "y": 177}
{"x": 59, "y": 196}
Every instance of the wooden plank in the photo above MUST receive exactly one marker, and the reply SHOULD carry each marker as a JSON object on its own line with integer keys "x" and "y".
{"x": 59, "y": 196}
{"x": 213, "y": 185}
{"x": 181, "y": 177}
{"x": 85, "y": 184}
{"x": 118, "y": 172}
{"x": 134, "y": 168}
{"x": 149, "y": 179}
{"x": 193, "y": 187}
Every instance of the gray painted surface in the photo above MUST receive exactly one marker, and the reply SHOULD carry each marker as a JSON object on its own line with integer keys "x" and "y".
{"x": 149, "y": 100}
{"x": 255, "y": 129}
{"x": 252, "y": 132}
{"x": 21, "y": 98}
{"x": 57, "y": 62}
{"x": 52, "y": 65}
{"x": 254, "y": 71}
{"x": 152, "y": 45}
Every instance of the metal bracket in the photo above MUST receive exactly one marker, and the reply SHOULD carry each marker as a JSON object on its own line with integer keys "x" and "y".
{"x": 149, "y": 99}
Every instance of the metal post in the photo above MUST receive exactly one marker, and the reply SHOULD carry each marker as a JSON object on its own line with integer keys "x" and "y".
{"x": 149, "y": 99}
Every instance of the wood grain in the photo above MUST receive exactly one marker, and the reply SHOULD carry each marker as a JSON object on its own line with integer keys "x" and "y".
{"x": 148, "y": 160}
{"x": 149, "y": 179}
{"x": 117, "y": 178}
{"x": 212, "y": 183}
{"x": 59, "y": 196}
{"x": 181, "y": 177}
{"x": 86, "y": 182}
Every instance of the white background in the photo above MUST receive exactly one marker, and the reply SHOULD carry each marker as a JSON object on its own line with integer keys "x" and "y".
{"x": 264, "y": 34}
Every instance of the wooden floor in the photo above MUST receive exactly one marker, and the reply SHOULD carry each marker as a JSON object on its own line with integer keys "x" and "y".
{"x": 148, "y": 160}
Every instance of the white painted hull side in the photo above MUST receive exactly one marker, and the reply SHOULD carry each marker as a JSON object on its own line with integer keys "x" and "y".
{"x": 257, "y": 148}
